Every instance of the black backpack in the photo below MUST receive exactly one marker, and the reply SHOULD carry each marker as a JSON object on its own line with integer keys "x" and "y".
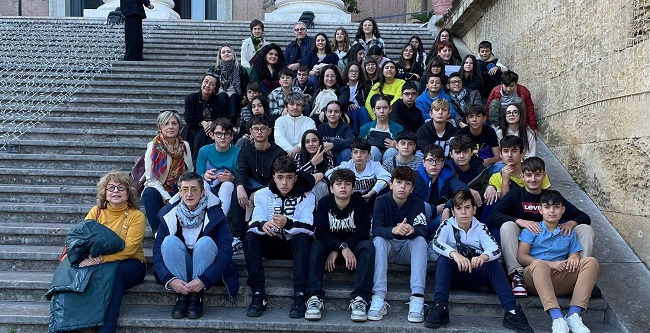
{"x": 115, "y": 17}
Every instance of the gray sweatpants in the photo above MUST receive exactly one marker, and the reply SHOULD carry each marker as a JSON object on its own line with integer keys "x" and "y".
{"x": 400, "y": 251}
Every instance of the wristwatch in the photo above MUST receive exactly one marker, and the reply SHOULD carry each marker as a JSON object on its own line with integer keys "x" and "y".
{"x": 343, "y": 246}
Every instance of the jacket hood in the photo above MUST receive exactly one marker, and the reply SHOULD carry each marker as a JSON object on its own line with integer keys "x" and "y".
{"x": 446, "y": 173}
{"x": 304, "y": 183}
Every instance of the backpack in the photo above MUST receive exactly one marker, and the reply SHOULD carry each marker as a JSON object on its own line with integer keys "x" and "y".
{"x": 115, "y": 17}
{"x": 137, "y": 173}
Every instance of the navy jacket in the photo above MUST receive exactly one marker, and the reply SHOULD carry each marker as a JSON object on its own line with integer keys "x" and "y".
{"x": 447, "y": 185}
{"x": 294, "y": 53}
{"x": 387, "y": 214}
{"x": 216, "y": 227}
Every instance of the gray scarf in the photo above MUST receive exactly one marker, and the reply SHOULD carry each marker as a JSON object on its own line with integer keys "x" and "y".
{"x": 230, "y": 76}
{"x": 507, "y": 99}
{"x": 191, "y": 218}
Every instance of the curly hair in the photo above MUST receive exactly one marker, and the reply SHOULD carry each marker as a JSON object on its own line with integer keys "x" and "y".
{"x": 116, "y": 177}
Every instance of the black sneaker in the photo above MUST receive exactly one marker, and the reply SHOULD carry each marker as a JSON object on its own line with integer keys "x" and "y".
{"x": 437, "y": 316}
{"x": 517, "y": 321}
{"x": 299, "y": 307}
{"x": 258, "y": 305}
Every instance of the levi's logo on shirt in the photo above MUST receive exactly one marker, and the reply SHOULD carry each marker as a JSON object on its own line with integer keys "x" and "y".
{"x": 530, "y": 207}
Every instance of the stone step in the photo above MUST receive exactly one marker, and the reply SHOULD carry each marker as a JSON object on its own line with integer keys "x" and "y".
{"x": 124, "y": 123}
{"x": 148, "y": 92}
{"x": 22, "y": 193}
{"x": 99, "y": 135}
{"x": 21, "y": 257}
{"x": 112, "y": 81}
{"x": 43, "y": 212}
{"x": 182, "y": 79}
{"x": 50, "y": 177}
{"x": 45, "y": 234}
{"x": 73, "y": 162}
{"x": 84, "y": 146}
{"x": 32, "y": 286}
{"x": 139, "y": 113}
{"x": 32, "y": 317}
{"x": 154, "y": 104}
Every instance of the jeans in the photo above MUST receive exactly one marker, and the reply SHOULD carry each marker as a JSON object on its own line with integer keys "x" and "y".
{"x": 273, "y": 247}
{"x": 183, "y": 265}
{"x": 364, "y": 252}
{"x": 400, "y": 251}
{"x": 152, "y": 202}
{"x": 343, "y": 155}
{"x": 375, "y": 154}
{"x": 359, "y": 117}
{"x": 388, "y": 154}
{"x": 130, "y": 273}
{"x": 224, "y": 192}
{"x": 449, "y": 277}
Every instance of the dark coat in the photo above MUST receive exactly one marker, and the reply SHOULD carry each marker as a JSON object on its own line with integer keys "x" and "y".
{"x": 447, "y": 186}
{"x": 134, "y": 7}
{"x": 89, "y": 288}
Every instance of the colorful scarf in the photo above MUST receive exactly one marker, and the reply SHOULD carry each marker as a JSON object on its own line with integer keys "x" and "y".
{"x": 191, "y": 218}
{"x": 257, "y": 42}
{"x": 230, "y": 75}
{"x": 159, "y": 154}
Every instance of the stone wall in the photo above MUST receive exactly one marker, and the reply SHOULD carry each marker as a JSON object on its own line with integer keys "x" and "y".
{"x": 29, "y": 7}
{"x": 587, "y": 64}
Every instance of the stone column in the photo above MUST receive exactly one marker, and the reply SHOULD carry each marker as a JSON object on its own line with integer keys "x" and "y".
{"x": 163, "y": 10}
{"x": 330, "y": 11}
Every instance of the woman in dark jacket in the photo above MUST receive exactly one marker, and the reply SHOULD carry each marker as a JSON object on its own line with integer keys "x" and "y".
{"x": 408, "y": 68}
{"x": 200, "y": 109}
{"x": 193, "y": 225}
{"x": 265, "y": 66}
{"x": 471, "y": 74}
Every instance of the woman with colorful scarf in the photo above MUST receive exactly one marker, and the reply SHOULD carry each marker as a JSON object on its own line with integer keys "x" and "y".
{"x": 252, "y": 44}
{"x": 168, "y": 156}
{"x": 233, "y": 80}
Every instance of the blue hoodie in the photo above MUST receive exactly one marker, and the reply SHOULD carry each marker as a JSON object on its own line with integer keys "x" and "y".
{"x": 423, "y": 102}
{"x": 448, "y": 184}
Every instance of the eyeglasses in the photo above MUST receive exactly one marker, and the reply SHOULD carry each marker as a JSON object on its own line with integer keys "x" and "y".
{"x": 112, "y": 188}
{"x": 434, "y": 161}
{"x": 222, "y": 134}
{"x": 299, "y": 29}
{"x": 512, "y": 113}
{"x": 409, "y": 94}
{"x": 191, "y": 190}
{"x": 455, "y": 82}
{"x": 259, "y": 129}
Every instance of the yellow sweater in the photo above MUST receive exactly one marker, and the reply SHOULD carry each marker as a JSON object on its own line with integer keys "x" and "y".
{"x": 394, "y": 89}
{"x": 128, "y": 224}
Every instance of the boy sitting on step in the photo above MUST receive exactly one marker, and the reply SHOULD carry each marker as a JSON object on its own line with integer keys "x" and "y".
{"x": 281, "y": 228}
{"x": 399, "y": 228}
{"x": 468, "y": 254}
{"x": 342, "y": 223}
{"x": 554, "y": 266}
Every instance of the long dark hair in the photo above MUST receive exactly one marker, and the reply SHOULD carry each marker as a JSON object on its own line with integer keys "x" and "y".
{"x": 382, "y": 78}
{"x": 412, "y": 61}
{"x": 375, "y": 29}
{"x": 321, "y": 77}
{"x": 522, "y": 127}
{"x": 305, "y": 157}
{"x": 352, "y": 53}
{"x": 328, "y": 47}
{"x": 362, "y": 73}
{"x": 258, "y": 62}
{"x": 263, "y": 101}
{"x": 475, "y": 70}
{"x": 419, "y": 52}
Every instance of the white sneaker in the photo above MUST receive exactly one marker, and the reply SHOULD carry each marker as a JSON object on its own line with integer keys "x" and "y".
{"x": 575, "y": 324}
{"x": 416, "y": 309}
{"x": 358, "y": 306}
{"x": 314, "y": 308}
{"x": 237, "y": 245}
{"x": 378, "y": 308}
{"x": 560, "y": 326}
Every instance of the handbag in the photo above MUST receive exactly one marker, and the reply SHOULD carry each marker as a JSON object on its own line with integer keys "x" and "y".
{"x": 376, "y": 138}
{"x": 466, "y": 250}
{"x": 137, "y": 173}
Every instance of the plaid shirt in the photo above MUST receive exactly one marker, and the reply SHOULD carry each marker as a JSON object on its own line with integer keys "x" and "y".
{"x": 373, "y": 42}
{"x": 276, "y": 100}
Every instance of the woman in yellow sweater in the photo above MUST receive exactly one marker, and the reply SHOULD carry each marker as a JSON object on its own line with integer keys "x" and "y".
{"x": 388, "y": 86}
{"x": 118, "y": 210}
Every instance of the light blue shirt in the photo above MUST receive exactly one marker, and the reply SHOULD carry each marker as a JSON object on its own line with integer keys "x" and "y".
{"x": 550, "y": 246}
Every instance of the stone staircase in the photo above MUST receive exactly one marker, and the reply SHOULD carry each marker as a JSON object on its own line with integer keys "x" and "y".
{"x": 47, "y": 184}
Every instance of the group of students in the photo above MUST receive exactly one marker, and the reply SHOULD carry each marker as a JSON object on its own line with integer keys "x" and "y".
{"x": 399, "y": 167}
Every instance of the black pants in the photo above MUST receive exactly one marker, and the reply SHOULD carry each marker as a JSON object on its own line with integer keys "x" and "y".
{"x": 133, "y": 38}
{"x": 232, "y": 103}
{"x": 130, "y": 273}
{"x": 276, "y": 248}
{"x": 364, "y": 252}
